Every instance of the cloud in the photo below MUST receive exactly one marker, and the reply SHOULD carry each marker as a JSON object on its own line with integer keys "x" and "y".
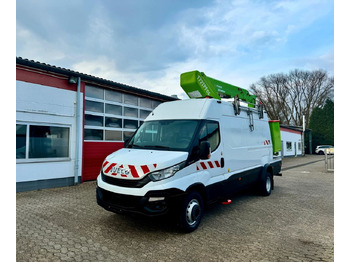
{"x": 323, "y": 61}
{"x": 33, "y": 46}
{"x": 149, "y": 44}
{"x": 100, "y": 66}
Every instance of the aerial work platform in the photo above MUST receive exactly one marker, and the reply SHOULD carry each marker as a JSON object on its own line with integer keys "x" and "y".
{"x": 197, "y": 85}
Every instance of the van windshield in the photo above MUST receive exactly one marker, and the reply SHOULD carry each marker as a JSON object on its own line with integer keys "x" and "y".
{"x": 173, "y": 135}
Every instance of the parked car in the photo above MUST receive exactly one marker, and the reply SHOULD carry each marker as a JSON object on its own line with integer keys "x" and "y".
{"x": 321, "y": 150}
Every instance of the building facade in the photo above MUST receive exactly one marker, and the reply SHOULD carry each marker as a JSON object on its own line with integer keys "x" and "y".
{"x": 68, "y": 122}
{"x": 291, "y": 139}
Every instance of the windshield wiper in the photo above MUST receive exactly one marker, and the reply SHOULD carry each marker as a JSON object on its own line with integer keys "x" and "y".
{"x": 133, "y": 145}
{"x": 149, "y": 146}
{"x": 157, "y": 146}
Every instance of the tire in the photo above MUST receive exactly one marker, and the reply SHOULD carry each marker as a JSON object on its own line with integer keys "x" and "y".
{"x": 266, "y": 185}
{"x": 191, "y": 212}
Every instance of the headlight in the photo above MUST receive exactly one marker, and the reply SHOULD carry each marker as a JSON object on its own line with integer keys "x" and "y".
{"x": 165, "y": 173}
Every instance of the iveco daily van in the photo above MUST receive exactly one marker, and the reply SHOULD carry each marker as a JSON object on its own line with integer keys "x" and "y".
{"x": 188, "y": 153}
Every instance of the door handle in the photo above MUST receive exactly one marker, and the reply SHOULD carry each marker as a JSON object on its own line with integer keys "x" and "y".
{"x": 222, "y": 162}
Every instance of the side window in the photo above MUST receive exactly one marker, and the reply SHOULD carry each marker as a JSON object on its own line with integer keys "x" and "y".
{"x": 42, "y": 141}
{"x": 48, "y": 141}
{"x": 21, "y": 137}
{"x": 210, "y": 132}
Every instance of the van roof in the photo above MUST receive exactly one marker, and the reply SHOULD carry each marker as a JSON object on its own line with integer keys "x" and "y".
{"x": 201, "y": 108}
{"x": 184, "y": 109}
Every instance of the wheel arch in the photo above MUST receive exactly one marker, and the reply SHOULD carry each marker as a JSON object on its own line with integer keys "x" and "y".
{"x": 267, "y": 169}
{"x": 200, "y": 188}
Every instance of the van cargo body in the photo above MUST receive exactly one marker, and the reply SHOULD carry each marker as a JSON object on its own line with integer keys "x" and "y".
{"x": 185, "y": 154}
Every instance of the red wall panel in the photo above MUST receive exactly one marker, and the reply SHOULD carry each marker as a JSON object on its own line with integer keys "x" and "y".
{"x": 291, "y": 131}
{"x": 47, "y": 79}
{"x": 93, "y": 155}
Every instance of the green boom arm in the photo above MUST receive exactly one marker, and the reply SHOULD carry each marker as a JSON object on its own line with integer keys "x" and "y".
{"x": 197, "y": 85}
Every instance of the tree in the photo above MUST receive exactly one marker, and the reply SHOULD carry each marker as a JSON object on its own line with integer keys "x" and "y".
{"x": 322, "y": 125}
{"x": 287, "y": 97}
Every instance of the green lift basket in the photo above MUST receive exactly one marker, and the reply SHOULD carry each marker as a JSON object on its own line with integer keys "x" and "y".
{"x": 275, "y": 135}
{"x": 197, "y": 85}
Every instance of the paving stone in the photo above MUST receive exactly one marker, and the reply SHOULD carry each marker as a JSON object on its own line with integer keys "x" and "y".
{"x": 295, "y": 223}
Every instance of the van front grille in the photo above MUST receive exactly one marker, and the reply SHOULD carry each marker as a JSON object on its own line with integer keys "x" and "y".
{"x": 125, "y": 182}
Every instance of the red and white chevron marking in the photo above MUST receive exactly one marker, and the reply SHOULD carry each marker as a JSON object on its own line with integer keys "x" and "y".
{"x": 127, "y": 171}
{"x": 203, "y": 165}
{"x": 267, "y": 142}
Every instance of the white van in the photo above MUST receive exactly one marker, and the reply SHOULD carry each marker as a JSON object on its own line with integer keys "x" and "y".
{"x": 188, "y": 153}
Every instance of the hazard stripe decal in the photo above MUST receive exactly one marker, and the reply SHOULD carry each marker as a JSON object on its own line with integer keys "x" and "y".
{"x": 133, "y": 171}
{"x": 110, "y": 167}
{"x": 145, "y": 169}
{"x": 127, "y": 171}
{"x": 207, "y": 165}
{"x": 267, "y": 142}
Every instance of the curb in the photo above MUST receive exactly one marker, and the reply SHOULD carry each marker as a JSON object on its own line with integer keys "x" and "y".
{"x": 304, "y": 164}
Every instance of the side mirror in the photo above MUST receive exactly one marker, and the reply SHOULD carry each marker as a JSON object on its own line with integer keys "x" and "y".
{"x": 204, "y": 150}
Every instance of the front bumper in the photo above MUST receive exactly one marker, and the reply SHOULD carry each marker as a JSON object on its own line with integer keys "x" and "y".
{"x": 165, "y": 200}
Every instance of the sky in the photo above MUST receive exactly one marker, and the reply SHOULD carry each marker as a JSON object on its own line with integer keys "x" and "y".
{"x": 148, "y": 44}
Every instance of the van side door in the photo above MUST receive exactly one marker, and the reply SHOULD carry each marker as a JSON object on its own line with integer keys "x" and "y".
{"x": 212, "y": 168}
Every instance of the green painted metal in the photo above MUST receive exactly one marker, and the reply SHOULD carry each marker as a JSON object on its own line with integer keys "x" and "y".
{"x": 197, "y": 85}
{"x": 275, "y": 135}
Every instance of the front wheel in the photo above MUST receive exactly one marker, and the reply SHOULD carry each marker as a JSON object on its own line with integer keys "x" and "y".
{"x": 191, "y": 212}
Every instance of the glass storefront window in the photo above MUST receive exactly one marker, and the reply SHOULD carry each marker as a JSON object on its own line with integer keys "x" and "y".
{"x": 113, "y": 135}
{"x": 113, "y": 96}
{"x": 144, "y": 113}
{"x": 130, "y": 99}
{"x": 144, "y": 102}
{"x": 43, "y": 141}
{"x": 93, "y": 134}
{"x": 130, "y": 124}
{"x": 94, "y": 92}
{"x": 112, "y": 115}
{"x": 94, "y": 106}
{"x": 113, "y": 109}
{"x": 91, "y": 120}
{"x": 21, "y": 137}
{"x": 113, "y": 122}
{"x": 128, "y": 111}
{"x": 48, "y": 141}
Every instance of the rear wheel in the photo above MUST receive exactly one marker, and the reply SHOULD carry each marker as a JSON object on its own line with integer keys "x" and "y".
{"x": 191, "y": 212}
{"x": 266, "y": 185}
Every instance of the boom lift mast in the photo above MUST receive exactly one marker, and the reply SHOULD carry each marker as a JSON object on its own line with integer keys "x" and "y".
{"x": 197, "y": 85}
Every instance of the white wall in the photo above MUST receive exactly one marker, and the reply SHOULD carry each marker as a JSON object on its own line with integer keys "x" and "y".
{"x": 294, "y": 139}
{"x": 44, "y": 105}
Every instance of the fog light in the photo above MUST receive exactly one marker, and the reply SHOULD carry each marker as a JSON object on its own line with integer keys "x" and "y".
{"x": 153, "y": 199}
